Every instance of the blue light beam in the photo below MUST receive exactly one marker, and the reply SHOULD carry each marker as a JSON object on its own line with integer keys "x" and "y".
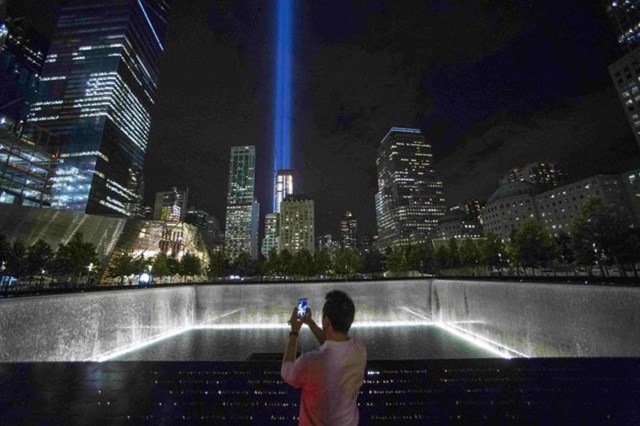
{"x": 283, "y": 93}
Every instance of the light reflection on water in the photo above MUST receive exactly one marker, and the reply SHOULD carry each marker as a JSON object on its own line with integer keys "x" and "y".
{"x": 390, "y": 342}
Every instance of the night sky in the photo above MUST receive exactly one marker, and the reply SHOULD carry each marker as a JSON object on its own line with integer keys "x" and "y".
{"x": 493, "y": 84}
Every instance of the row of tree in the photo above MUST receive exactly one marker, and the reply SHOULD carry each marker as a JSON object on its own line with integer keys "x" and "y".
{"x": 124, "y": 266}
{"x": 74, "y": 260}
{"x": 598, "y": 237}
{"x": 340, "y": 262}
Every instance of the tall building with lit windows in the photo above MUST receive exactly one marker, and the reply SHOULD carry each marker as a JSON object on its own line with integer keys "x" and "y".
{"x": 349, "y": 230}
{"x": 98, "y": 87}
{"x": 271, "y": 237}
{"x": 171, "y": 206}
{"x": 22, "y": 54}
{"x": 625, "y": 18}
{"x": 283, "y": 187}
{"x": 297, "y": 218}
{"x": 241, "y": 227}
{"x": 410, "y": 197}
{"x": 625, "y": 73}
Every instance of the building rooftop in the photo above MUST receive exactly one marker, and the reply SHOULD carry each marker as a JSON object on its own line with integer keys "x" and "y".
{"x": 513, "y": 189}
{"x": 297, "y": 198}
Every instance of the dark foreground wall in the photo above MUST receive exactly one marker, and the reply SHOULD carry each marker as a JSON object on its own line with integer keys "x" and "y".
{"x": 544, "y": 320}
{"x": 81, "y": 326}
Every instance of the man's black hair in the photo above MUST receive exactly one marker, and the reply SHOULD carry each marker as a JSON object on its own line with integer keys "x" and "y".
{"x": 340, "y": 309}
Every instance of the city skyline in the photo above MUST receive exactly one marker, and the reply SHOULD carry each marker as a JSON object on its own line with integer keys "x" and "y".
{"x": 462, "y": 127}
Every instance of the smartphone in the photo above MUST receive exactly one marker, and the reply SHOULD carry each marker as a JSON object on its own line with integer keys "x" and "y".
{"x": 303, "y": 304}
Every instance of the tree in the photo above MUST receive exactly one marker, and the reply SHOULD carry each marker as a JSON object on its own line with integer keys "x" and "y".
{"x": 396, "y": 260}
{"x": 441, "y": 258}
{"x": 173, "y": 265}
{"x": 469, "y": 254}
{"x": 429, "y": 259}
{"x": 140, "y": 264}
{"x": 347, "y": 261}
{"x": 122, "y": 267}
{"x": 564, "y": 252}
{"x": 532, "y": 246}
{"x": 76, "y": 257}
{"x": 218, "y": 264}
{"x": 415, "y": 256}
{"x": 190, "y": 265}
{"x": 631, "y": 254}
{"x": 373, "y": 262}
{"x": 492, "y": 252}
{"x": 38, "y": 258}
{"x": 17, "y": 259}
{"x": 322, "y": 262}
{"x": 285, "y": 259}
{"x": 602, "y": 235}
{"x": 302, "y": 264}
{"x": 5, "y": 249}
{"x": 243, "y": 265}
{"x": 454, "y": 254}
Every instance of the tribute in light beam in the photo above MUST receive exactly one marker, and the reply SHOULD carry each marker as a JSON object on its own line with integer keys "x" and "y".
{"x": 283, "y": 95}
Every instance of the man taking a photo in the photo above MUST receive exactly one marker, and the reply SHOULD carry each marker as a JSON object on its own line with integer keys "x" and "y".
{"x": 331, "y": 376}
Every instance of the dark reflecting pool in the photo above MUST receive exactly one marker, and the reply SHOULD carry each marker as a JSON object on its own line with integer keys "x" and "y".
{"x": 383, "y": 343}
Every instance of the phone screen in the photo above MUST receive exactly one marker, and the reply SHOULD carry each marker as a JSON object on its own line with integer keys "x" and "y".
{"x": 302, "y": 307}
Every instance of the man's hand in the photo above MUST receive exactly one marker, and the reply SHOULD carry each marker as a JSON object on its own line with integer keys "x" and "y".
{"x": 295, "y": 322}
{"x": 306, "y": 319}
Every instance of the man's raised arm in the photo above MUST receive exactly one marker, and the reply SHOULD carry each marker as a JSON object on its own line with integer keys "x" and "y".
{"x": 317, "y": 331}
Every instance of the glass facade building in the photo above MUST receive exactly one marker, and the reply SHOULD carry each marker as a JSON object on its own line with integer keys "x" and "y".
{"x": 28, "y": 160}
{"x": 410, "y": 197}
{"x": 22, "y": 55}
{"x": 98, "y": 87}
{"x": 242, "y": 220}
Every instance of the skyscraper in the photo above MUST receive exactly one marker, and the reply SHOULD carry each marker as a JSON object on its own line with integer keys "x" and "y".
{"x": 271, "y": 237}
{"x": 241, "y": 228}
{"x": 410, "y": 197}
{"x": 171, "y": 205}
{"x": 297, "y": 224}
{"x": 283, "y": 187}
{"x": 625, "y": 17}
{"x": 208, "y": 225}
{"x": 22, "y": 54}
{"x": 349, "y": 230}
{"x": 99, "y": 84}
{"x": 626, "y": 74}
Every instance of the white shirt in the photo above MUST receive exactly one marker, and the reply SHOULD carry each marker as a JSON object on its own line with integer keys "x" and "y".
{"x": 330, "y": 379}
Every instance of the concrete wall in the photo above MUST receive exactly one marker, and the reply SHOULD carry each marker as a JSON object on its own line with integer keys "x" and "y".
{"x": 273, "y": 303}
{"x": 544, "y": 320}
{"x": 535, "y": 319}
{"x": 76, "y": 327}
